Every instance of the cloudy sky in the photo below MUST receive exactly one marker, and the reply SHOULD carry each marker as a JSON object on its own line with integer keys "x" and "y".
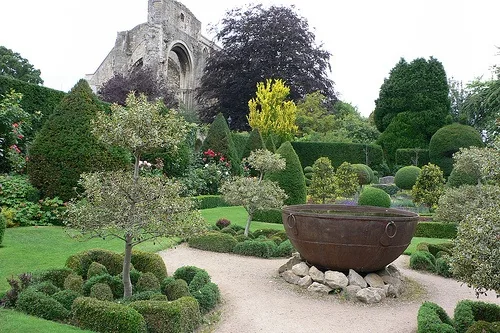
{"x": 67, "y": 39}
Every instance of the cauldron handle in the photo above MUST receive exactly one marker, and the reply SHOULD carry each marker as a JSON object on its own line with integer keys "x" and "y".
{"x": 391, "y": 223}
{"x": 293, "y": 227}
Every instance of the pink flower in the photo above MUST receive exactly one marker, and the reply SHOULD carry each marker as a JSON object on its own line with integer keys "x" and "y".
{"x": 20, "y": 136}
{"x": 16, "y": 125}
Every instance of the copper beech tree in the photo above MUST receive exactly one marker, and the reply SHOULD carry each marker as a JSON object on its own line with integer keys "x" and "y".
{"x": 123, "y": 204}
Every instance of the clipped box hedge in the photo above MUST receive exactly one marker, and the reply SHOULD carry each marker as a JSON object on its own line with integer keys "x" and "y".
{"x": 412, "y": 156}
{"x": 214, "y": 241}
{"x": 436, "y": 230}
{"x": 268, "y": 216}
{"x": 103, "y": 316}
{"x": 209, "y": 201}
{"x": 179, "y": 316}
{"x": 432, "y": 318}
{"x": 468, "y": 312}
{"x": 339, "y": 152}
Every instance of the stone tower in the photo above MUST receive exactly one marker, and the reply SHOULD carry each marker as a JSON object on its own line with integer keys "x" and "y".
{"x": 170, "y": 43}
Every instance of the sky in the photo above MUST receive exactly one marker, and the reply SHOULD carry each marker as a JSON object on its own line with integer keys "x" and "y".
{"x": 67, "y": 39}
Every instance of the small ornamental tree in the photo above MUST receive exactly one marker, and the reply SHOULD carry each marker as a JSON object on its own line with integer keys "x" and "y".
{"x": 125, "y": 205}
{"x": 256, "y": 193}
{"x": 346, "y": 180}
{"x": 270, "y": 112}
{"x": 429, "y": 186}
{"x": 322, "y": 188}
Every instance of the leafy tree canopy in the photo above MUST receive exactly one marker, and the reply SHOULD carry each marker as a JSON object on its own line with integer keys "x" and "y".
{"x": 259, "y": 43}
{"x": 17, "y": 67}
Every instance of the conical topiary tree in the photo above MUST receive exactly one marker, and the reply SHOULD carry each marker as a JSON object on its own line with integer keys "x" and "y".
{"x": 65, "y": 146}
{"x": 219, "y": 140}
{"x": 254, "y": 142}
{"x": 291, "y": 179}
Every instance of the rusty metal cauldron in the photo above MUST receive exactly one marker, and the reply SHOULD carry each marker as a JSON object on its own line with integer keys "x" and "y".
{"x": 339, "y": 237}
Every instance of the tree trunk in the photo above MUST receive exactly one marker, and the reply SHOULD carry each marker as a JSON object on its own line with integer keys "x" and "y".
{"x": 136, "y": 166}
{"x": 127, "y": 284}
{"x": 247, "y": 228}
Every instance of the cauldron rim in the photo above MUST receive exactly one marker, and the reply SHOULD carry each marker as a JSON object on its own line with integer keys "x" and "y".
{"x": 392, "y": 213}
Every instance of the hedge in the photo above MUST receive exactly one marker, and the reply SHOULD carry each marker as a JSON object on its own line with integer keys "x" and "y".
{"x": 467, "y": 312}
{"x": 412, "y": 156}
{"x": 339, "y": 152}
{"x": 436, "y": 230}
{"x": 147, "y": 262}
{"x": 104, "y": 316}
{"x": 240, "y": 141}
{"x": 256, "y": 248}
{"x": 208, "y": 297}
{"x": 268, "y": 216}
{"x": 209, "y": 201}
{"x": 41, "y": 305}
{"x": 180, "y": 316}
{"x": 35, "y": 98}
{"x": 432, "y": 318}
{"x": 114, "y": 282}
{"x": 213, "y": 241}
{"x": 3, "y": 225}
{"x": 80, "y": 262}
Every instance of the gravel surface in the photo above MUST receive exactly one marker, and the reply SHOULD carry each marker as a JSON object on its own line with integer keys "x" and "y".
{"x": 256, "y": 299}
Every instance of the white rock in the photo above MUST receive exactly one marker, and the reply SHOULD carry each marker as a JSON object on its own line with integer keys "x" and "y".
{"x": 319, "y": 288}
{"x": 394, "y": 272}
{"x": 289, "y": 277}
{"x": 370, "y": 295}
{"x": 351, "y": 291}
{"x": 317, "y": 275}
{"x": 305, "y": 282}
{"x": 301, "y": 269}
{"x": 374, "y": 280}
{"x": 356, "y": 280}
{"x": 336, "y": 280}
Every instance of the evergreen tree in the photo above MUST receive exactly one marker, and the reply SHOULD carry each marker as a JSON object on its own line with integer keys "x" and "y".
{"x": 65, "y": 146}
{"x": 291, "y": 179}
{"x": 254, "y": 142}
{"x": 322, "y": 188}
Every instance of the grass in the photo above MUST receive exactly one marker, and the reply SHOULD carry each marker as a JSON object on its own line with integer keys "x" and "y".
{"x": 237, "y": 215}
{"x": 28, "y": 249}
{"x": 15, "y": 322}
{"x": 416, "y": 240}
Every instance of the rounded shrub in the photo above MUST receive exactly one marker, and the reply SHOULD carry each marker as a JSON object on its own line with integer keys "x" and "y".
{"x": 141, "y": 296}
{"x": 285, "y": 249}
{"x": 114, "y": 282}
{"x": 182, "y": 315}
{"x": 56, "y": 276}
{"x": 467, "y": 312}
{"x": 484, "y": 327}
{"x": 80, "y": 262}
{"x": 422, "y": 260}
{"x": 148, "y": 282}
{"x": 213, "y": 241}
{"x": 41, "y": 305}
{"x": 45, "y": 287}
{"x": 65, "y": 148}
{"x": 95, "y": 269}
{"x": 443, "y": 266}
{"x": 103, "y": 316}
{"x": 406, "y": 177}
{"x": 164, "y": 283}
{"x": 147, "y": 262}
{"x": 208, "y": 297}
{"x": 458, "y": 178}
{"x": 448, "y": 140}
{"x": 187, "y": 273}
{"x": 228, "y": 230}
{"x": 291, "y": 179}
{"x": 74, "y": 282}
{"x": 159, "y": 297}
{"x": 222, "y": 223}
{"x": 371, "y": 196}
{"x": 266, "y": 232}
{"x": 432, "y": 318}
{"x": 101, "y": 291}
{"x": 200, "y": 279}
{"x": 256, "y": 248}
{"x": 177, "y": 289}
{"x": 364, "y": 175}
{"x": 66, "y": 298}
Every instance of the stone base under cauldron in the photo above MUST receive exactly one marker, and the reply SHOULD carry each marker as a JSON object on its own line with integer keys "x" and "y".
{"x": 371, "y": 288}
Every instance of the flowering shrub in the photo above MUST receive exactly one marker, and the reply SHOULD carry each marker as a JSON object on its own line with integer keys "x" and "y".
{"x": 147, "y": 169}
{"x": 222, "y": 223}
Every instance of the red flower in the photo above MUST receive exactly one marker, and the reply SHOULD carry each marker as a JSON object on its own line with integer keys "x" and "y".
{"x": 16, "y": 125}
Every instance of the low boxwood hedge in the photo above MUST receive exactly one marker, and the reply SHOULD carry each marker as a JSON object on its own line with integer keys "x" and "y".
{"x": 436, "y": 230}
{"x": 55, "y": 276}
{"x": 432, "y": 318}
{"x": 268, "y": 215}
{"x": 180, "y": 316}
{"x": 80, "y": 262}
{"x": 213, "y": 241}
{"x": 467, "y": 312}
{"x": 208, "y": 297}
{"x": 66, "y": 298}
{"x": 263, "y": 249}
{"x": 114, "y": 282}
{"x": 210, "y": 201}
{"x": 39, "y": 304}
{"x": 176, "y": 289}
{"x": 103, "y": 316}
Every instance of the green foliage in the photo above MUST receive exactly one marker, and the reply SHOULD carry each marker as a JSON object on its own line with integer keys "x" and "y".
{"x": 41, "y": 305}
{"x": 101, "y": 291}
{"x": 412, "y": 156}
{"x": 390, "y": 189}
{"x": 219, "y": 140}
{"x": 213, "y": 241}
{"x": 103, "y": 316}
{"x": 432, "y": 318}
{"x": 429, "y": 186}
{"x": 371, "y": 196}
{"x": 45, "y": 287}
{"x": 208, "y": 297}
{"x": 165, "y": 282}
{"x": 16, "y": 190}
{"x": 313, "y": 115}
{"x": 268, "y": 216}
{"x": 291, "y": 179}
{"x": 148, "y": 282}
{"x": 12, "y": 65}
{"x": 423, "y": 260}
{"x": 436, "y": 230}
{"x": 467, "y": 312}
{"x": 476, "y": 256}
{"x": 200, "y": 279}
{"x": 3, "y": 226}
{"x": 443, "y": 266}
{"x": 35, "y": 99}
{"x": 80, "y": 262}
{"x": 339, "y": 152}
{"x": 74, "y": 283}
{"x": 240, "y": 141}
{"x": 270, "y": 144}
{"x": 322, "y": 188}
{"x": 187, "y": 273}
{"x": 64, "y": 148}
{"x": 483, "y": 163}
{"x": 180, "y": 316}
{"x": 460, "y": 177}
{"x": 254, "y": 142}
{"x": 210, "y": 201}
{"x": 95, "y": 269}
{"x": 66, "y": 298}
{"x": 147, "y": 262}
{"x": 256, "y": 248}
{"x": 448, "y": 140}
{"x": 285, "y": 249}
{"x": 114, "y": 282}
{"x": 484, "y": 327}
{"x": 177, "y": 289}
{"x": 175, "y": 162}
{"x": 346, "y": 181}
{"x": 406, "y": 177}
{"x": 364, "y": 172}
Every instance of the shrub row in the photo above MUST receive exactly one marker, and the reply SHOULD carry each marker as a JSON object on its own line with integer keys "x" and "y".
{"x": 436, "y": 230}
{"x": 390, "y": 189}
{"x": 268, "y": 215}
{"x": 469, "y": 317}
{"x": 412, "y": 156}
{"x": 339, "y": 152}
{"x": 209, "y": 201}
{"x": 433, "y": 258}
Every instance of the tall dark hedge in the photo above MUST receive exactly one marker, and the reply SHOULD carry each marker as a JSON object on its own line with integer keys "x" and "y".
{"x": 35, "y": 98}
{"x": 240, "y": 141}
{"x": 448, "y": 140}
{"x": 219, "y": 139}
{"x": 65, "y": 147}
{"x": 412, "y": 156}
{"x": 338, "y": 153}
{"x": 291, "y": 179}
{"x": 254, "y": 142}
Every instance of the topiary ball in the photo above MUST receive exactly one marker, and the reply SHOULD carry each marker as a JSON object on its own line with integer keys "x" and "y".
{"x": 364, "y": 176}
{"x": 101, "y": 291}
{"x": 406, "y": 177}
{"x": 458, "y": 178}
{"x": 148, "y": 282}
{"x": 177, "y": 289}
{"x": 96, "y": 269}
{"x": 371, "y": 196}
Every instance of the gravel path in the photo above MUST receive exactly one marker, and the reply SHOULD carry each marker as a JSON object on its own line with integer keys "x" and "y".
{"x": 255, "y": 299}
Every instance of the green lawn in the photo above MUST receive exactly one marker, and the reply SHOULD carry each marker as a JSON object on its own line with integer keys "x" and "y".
{"x": 237, "y": 215}
{"x": 15, "y": 322}
{"x": 414, "y": 242}
{"x": 34, "y": 248}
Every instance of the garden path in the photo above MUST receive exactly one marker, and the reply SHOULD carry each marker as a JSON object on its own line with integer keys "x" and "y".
{"x": 255, "y": 299}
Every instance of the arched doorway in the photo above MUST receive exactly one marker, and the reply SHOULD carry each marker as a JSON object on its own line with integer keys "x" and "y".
{"x": 179, "y": 72}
